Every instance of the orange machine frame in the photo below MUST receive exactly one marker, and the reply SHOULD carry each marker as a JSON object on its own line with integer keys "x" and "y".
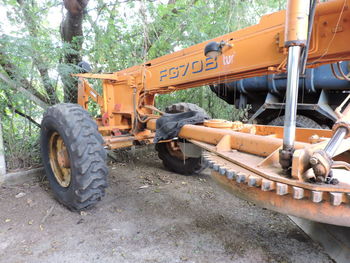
{"x": 249, "y": 152}
{"x": 257, "y": 50}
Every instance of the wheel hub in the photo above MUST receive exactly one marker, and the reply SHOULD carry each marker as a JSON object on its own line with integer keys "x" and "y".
{"x": 63, "y": 159}
{"x": 59, "y": 160}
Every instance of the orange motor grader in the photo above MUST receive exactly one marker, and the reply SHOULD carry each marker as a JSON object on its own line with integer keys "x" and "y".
{"x": 296, "y": 171}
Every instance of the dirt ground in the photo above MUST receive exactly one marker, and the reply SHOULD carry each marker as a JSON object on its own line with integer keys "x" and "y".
{"x": 148, "y": 215}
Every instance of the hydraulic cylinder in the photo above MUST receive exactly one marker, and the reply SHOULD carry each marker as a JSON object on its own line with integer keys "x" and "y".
{"x": 296, "y": 28}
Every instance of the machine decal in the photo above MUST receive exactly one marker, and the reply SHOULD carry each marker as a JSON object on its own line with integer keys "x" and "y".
{"x": 227, "y": 60}
{"x": 193, "y": 67}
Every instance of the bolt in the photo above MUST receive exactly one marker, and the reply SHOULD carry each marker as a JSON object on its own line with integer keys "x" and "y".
{"x": 313, "y": 161}
{"x": 320, "y": 179}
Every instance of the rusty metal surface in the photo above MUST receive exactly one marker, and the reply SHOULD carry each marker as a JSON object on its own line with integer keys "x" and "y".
{"x": 260, "y": 180}
{"x": 248, "y": 163}
{"x": 248, "y": 150}
{"x": 269, "y": 197}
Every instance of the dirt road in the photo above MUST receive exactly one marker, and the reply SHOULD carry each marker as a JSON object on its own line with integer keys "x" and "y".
{"x": 148, "y": 215}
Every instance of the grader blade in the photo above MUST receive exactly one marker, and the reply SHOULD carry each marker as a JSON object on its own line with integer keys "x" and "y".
{"x": 245, "y": 160}
{"x": 326, "y": 204}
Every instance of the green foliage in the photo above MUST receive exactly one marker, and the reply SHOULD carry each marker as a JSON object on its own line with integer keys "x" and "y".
{"x": 21, "y": 141}
{"x": 117, "y": 35}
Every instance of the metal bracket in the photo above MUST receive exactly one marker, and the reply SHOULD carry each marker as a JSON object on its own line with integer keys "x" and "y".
{"x": 190, "y": 150}
{"x": 273, "y": 103}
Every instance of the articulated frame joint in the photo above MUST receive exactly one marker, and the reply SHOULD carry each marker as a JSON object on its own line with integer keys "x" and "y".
{"x": 321, "y": 161}
{"x": 321, "y": 164}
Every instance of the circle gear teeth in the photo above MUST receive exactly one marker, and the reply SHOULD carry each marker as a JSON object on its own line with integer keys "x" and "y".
{"x": 230, "y": 174}
{"x": 222, "y": 170}
{"x": 267, "y": 185}
{"x": 216, "y": 167}
{"x": 254, "y": 181}
{"x": 282, "y": 189}
{"x": 298, "y": 192}
{"x": 336, "y": 198}
{"x": 316, "y": 196}
{"x": 240, "y": 178}
{"x": 211, "y": 163}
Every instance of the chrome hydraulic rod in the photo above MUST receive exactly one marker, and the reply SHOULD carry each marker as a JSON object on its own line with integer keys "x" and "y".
{"x": 335, "y": 141}
{"x": 291, "y": 97}
{"x": 291, "y": 107}
{"x": 296, "y": 34}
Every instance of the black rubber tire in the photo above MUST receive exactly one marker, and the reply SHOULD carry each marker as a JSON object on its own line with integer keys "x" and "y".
{"x": 301, "y": 122}
{"x": 191, "y": 165}
{"x": 86, "y": 154}
{"x": 188, "y": 167}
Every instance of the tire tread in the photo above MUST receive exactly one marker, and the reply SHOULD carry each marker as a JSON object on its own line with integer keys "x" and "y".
{"x": 301, "y": 122}
{"x": 190, "y": 165}
{"x": 85, "y": 146}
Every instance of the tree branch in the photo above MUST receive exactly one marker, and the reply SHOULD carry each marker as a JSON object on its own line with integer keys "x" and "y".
{"x": 12, "y": 71}
{"x": 154, "y": 35}
{"x": 24, "y": 115}
{"x": 22, "y": 90}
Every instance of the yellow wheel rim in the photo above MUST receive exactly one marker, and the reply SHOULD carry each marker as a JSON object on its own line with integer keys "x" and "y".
{"x": 59, "y": 160}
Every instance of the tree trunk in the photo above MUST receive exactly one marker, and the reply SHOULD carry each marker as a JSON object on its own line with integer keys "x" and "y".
{"x": 72, "y": 34}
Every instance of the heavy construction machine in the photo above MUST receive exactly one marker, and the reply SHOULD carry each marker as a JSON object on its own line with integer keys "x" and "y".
{"x": 297, "y": 171}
